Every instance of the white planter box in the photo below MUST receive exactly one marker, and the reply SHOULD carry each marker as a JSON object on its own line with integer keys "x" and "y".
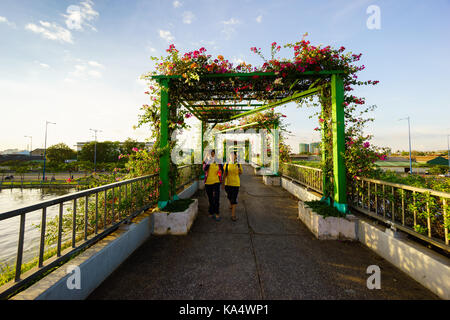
{"x": 175, "y": 223}
{"x": 299, "y": 191}
{"x": 272, "y": 180}
{"x": 329, "y": 228}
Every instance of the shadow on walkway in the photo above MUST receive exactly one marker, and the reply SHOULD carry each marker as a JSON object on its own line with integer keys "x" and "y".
{"x": 267, "y": 254}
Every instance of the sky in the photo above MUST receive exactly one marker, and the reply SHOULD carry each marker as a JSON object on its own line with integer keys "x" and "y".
{"x": 78, "y": 63}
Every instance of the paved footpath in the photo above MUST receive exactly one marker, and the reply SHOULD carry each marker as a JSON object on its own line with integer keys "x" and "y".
{"x": 267, "y": 254}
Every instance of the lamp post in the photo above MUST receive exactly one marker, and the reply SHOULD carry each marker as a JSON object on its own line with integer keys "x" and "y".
{"x": 45, "y": 147}
{"x": 409, "y": 137}
{"x": 31, "y": 143}
{"x": 95, "y": 148}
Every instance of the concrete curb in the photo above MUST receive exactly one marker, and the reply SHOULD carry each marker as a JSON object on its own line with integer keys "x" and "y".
{"x": 422, "y": 264}
{"x": 95, "y": 264}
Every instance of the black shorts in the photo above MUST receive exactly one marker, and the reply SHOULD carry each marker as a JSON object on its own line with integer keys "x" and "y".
{"x": 232, "y": 193}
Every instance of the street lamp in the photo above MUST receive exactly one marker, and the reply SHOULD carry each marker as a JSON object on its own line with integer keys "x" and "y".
{"x": 45, "y": 147}
{"x": 95, "y": 148}
{"x": 409, "y": 136}
{"x": 31, "y": 143}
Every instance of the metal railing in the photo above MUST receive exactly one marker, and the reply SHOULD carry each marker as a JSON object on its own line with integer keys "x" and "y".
{"x": 306, "y": 176}
{"x": 92, "y": 214}
{"x": 422, "y": 213}
{"x": 187, "y": 174}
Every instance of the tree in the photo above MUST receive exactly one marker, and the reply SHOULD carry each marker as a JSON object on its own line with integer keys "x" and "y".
{"x": 128, "y": 145}
{"x": 107, "y": 151}
{"x": 60, "y": 152}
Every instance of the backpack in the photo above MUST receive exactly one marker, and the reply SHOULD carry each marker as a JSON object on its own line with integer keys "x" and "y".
{"x": 226, "y": 167}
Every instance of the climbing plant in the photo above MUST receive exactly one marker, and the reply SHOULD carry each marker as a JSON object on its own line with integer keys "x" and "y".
{"x": 214, "y": 94}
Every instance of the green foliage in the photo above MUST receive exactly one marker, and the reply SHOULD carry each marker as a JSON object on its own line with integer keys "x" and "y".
{"x": 438, "y": 169}
{"x": 324, "y": 209}
{"x": 60, "y": 152}
{"x": 312, "y": 164}
{"x": 433, "y": 183}
{"x": 107, "y": 151}
{"x": 178, "y": 205}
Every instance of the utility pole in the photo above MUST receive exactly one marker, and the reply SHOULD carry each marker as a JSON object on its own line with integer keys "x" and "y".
{"x": 95, "y": 147}
{"x": 31, "y": 143}
{"x": 409, "y": 137}
{"x": 45, "y": 147}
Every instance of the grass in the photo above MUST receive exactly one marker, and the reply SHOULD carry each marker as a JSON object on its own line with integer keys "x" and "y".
{"x": 324, "y": 209}
{"x": 178, "y": 205}
{"x": 313, "y": 164}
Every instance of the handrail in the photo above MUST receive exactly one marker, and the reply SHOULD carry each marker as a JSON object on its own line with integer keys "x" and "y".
{"x": 69, "y": 197}
{"x": 109, "y": 206}
{"x": 432, "y": 192}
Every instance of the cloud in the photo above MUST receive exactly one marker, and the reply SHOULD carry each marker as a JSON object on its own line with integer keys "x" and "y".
{"x": 177, "y": 4}
{"x": 151, "y": 49}
{"x": 188, "y": 17}
{"x": 44, "y": 65}
{"x": 85, "y": 71}
{"x": 51, "y": 31}
{"x": 229, "y": 28}
{"x": 80, "y": 16}
{"x": 7, "y": 22}
{"x": 231, "y": 21}
{"x": 166, "y": 35}
{"x": 259, "y": 18}
{"x": 95, "y": 64}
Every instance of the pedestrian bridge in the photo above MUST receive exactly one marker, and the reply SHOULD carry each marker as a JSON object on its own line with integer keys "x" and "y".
{"x": 267, "y": 254}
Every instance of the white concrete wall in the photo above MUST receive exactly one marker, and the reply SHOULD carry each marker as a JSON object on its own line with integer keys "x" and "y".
{"x": 424, "y": 265}
{"x": 300, "y": 192}
{"x": 189, "y": 191}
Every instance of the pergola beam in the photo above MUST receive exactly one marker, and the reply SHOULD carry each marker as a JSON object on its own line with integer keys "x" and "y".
{"x": 252, "y": 74}
{"x": 293, "y": 97}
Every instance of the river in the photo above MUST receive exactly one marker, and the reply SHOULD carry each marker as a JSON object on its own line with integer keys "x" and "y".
{"x": 15, "y": 198}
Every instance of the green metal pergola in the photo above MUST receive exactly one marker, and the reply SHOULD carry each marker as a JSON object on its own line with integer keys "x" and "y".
{"x": 214, "y": 99}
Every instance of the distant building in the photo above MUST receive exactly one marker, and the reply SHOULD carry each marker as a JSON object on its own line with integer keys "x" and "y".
{"x": 439, "y": 160}
{"x": 314, "y": 147}
{"x": 38, "y": 152}
{"x": 426, "y": 159}
{"x": 303, "y": 148}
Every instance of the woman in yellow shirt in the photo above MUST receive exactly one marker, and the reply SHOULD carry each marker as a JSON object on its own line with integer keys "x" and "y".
{"x": 232, "y": 182}
{"x": 213, "y": 176}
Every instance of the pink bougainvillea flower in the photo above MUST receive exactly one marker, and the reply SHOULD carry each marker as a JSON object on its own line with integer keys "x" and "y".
{"x": 321, "y": 120}
{"x": 366, "y": 144}
{"x": 135, "y": 149}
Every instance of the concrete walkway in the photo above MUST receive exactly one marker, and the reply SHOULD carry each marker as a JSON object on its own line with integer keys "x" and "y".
{"x": 267, "y": 254}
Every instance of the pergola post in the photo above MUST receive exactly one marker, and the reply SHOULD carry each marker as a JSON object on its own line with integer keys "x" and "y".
{"x": 202, "y": 146}
{"x": 275, "y": 149}
{"x": 164, "y": 141}
{"x": 338, "y": 128}
{"x": 263, "y": 147}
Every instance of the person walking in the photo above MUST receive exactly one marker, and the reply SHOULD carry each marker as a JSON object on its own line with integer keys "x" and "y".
{"x": 232, "y": 182}
{"x": 213, "y": 176}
